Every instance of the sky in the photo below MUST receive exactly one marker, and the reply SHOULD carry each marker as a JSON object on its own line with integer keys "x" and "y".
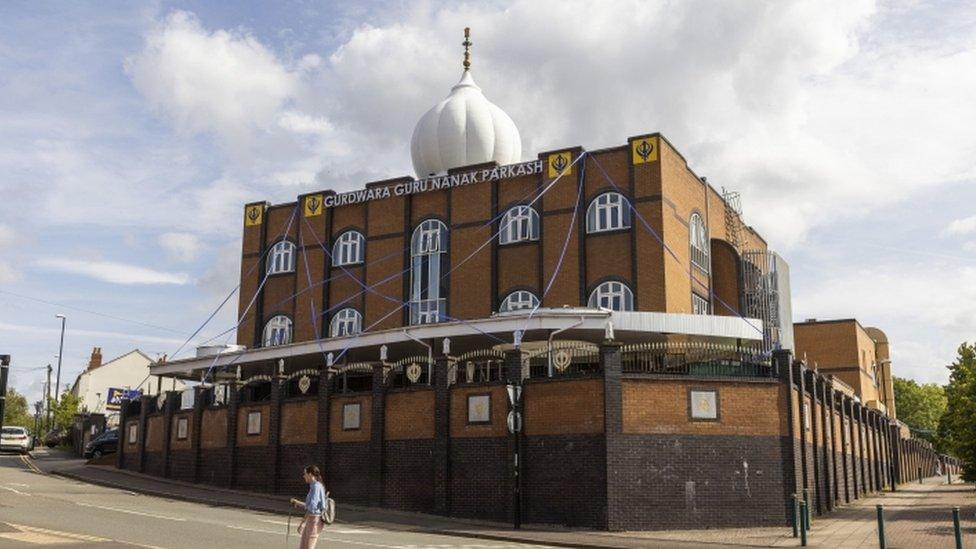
{"x": 132, "y": 134}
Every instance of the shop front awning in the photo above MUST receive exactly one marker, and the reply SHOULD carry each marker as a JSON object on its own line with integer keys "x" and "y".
{"x": 570, "y": 323}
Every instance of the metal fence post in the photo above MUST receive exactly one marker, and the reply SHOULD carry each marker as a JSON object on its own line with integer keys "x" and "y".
{"x": 794, "y": 511}
{"x": 806, "y": 500}
{"x": 881, "y": 532}
{"x": 803, "y": 525}
{"x": 955, "y": 527}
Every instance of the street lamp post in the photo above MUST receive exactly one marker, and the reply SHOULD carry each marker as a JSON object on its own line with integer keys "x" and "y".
{"x": 57, "y": 383}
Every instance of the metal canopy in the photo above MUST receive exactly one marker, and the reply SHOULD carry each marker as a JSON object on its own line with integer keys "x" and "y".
{"x": 573, "y": 323}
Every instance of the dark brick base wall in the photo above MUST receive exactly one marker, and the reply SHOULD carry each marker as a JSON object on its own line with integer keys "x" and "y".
{"x": 293, "y": 460}
{"x": 181, "y": 465}
{"x": 154, "y": 464}
{"x": 348, "y": 475}
{"x": 214, "y": 466}
{"x": 408, "y": 475}
{"x": 564, "y": 480}
{"x": 480, "y": 478}
{"x": 687, "y": 481}
{"x": 254, "y": 469}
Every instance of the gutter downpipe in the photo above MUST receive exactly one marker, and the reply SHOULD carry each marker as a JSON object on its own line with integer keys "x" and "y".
{"x": 430, "y": 356}
{"x": 549, "y": 342}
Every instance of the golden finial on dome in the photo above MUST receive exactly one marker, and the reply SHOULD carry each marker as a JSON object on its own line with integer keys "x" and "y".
{"x": 467, "y": 48}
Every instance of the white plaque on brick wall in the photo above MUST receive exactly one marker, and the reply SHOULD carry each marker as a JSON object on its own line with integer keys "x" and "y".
{"x": 254, "y": 423}
{"x": 350, "y": 416}
{"x": 133, "y": 432}
{"x": 479, "y": 408}
{"x": 704, "y": 405}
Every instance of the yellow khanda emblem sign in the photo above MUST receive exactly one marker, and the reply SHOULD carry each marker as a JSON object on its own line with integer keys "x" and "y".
{"x": 253, "y": 215}
{"x": 561, "y": 162}
{"x": 644, "y": 150}
{"x": 313, "y": 205}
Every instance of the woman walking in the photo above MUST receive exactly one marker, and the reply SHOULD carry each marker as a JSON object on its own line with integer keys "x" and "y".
{"x": 314, "y": 505}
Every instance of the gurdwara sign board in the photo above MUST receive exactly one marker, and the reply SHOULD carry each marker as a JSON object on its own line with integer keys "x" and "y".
{"x": 434, "y": 183}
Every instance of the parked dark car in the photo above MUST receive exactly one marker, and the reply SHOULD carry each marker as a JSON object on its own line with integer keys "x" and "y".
{"x": 54, "y": 437}
{"x": 105, "y": 443}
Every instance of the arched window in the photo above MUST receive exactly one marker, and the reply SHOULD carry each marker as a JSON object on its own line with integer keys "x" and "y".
{"x": 348, "y": 321}
{"x": 282, "y": 258}
{"x": 518, "y": 300}
{"x": 349, "y": 249}
{"x": 608, "y": 212}
{"x": 698, "y": 235}
{"x": 427, "y": 247}
{"x": 612, "y": 295}
{"x": 277, "y": 331}
{"x": 519, "y": 224}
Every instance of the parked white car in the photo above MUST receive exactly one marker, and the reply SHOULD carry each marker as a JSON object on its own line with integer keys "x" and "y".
{"x": 15, "y": 438}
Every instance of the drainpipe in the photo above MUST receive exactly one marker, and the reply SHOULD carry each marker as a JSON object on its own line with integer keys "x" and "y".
{"x": 549, "y": 343}
{"x": 430, "y": 356}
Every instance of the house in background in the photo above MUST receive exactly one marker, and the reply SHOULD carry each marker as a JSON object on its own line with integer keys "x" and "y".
{"x": 101, "y": 386}
{"x": 856, "y": 355}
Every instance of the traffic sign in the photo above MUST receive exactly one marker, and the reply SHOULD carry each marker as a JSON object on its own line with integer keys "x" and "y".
{"x": 514, "y": 422}
{"x": 514, "y": 394}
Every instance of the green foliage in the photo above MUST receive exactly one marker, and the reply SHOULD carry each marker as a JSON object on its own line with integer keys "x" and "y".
{"x": 16, "y": 411}
{"x": 958, "y": 425}
{"x": 920, "y": 406}
{"x": 65, "y": 410}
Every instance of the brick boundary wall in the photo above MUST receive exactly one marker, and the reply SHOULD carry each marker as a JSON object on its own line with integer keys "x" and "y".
{"x": 589, "y": 456}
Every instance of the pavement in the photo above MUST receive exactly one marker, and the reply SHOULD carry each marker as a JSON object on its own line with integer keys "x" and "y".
{"x": 917, "y": 516}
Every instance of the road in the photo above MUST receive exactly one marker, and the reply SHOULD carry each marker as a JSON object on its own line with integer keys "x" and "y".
{"x": 38, "y": 509}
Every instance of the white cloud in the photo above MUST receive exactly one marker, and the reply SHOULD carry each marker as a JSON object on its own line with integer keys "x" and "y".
{"x": 182, "y": 247}
{"x": 7, "y": 240}
{"x": 115, "y": 273}
{"x": 927, "y": 309}
{"x": 222, "y": 81}
{"x": 962, "y": 226}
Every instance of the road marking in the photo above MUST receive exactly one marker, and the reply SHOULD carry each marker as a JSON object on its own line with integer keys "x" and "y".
{"x": 254, "y": 530}
{"x": 130, "y": 511}
{"x": 331, "y": 529}
{"x": 60, "y": 537}
{"x": 14, "y": 490}
{"x": 29, "y": 463}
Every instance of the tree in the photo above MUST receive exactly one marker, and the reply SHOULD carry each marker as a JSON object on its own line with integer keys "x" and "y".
{"x": 65, "y": 410}
{"x": 16, "y": 411}
{"x": 958, "y": 426}
{"x": 920, "y": 406}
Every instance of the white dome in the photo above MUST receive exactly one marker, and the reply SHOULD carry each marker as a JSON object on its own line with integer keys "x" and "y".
{"x": 465, "y": 128}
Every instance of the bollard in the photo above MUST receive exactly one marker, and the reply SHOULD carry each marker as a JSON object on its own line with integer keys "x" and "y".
{"x": 806, "y": 499}
{"x": 955, "y": 527}
{"x": 794, "y": 512}
{"x": 803, "y": 525}
{"x": 920, "y": 475}
{"x": 948, "y": 476}
{"x": 881, "y": 532}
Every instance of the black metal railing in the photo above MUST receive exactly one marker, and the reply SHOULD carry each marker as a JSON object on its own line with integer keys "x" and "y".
{"x": 694, "y": 359}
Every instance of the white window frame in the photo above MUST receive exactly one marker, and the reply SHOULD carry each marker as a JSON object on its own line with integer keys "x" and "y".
{"x": 277, "y": 331}
{"x": 698, "y": 239}
{"x": 518, "y": 300}
{"x": 427, "y": 246}
{"x": 609, "y": 211}
{"x": 346, "y": 322}
{"x": 519, "y": 224}
{"x": 349, "y": 249}
{"x": 700, "y": 305}
{"x": 613, "y": 295}
{"x": 282, "y": 257}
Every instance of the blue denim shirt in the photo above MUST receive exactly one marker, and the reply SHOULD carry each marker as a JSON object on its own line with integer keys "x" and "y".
{"x": 315, "y": 500}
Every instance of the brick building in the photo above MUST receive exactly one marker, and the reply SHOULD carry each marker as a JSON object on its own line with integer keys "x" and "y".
{"x": 856, "y": 355}
{"x": 583, "y": 338}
